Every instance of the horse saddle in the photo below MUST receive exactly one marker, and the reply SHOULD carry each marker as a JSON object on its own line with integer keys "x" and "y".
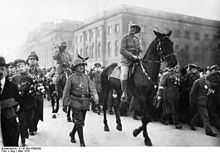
{"x": 117, "y": 72}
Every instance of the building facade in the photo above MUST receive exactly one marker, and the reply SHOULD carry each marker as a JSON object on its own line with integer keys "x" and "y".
{"x": 43, "y": 41}
{"x": 100, "y": 37}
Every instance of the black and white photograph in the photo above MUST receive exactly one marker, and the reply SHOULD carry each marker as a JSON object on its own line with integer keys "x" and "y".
{"x": 109, "y": 73}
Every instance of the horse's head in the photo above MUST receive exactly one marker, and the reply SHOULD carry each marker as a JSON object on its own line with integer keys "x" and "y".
{"x": 165, "y": 49}
{"x": 84, "y": 59}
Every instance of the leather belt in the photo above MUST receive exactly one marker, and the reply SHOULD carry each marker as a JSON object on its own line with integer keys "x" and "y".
{"x": 80, "y": 96}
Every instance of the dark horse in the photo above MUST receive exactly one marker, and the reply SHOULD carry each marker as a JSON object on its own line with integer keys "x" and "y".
{"x": 143, "y": 82}
{"x": 57, "y": 95}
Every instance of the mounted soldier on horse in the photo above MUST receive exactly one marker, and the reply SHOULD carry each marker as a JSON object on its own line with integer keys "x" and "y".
{"x": 143, "y": 80}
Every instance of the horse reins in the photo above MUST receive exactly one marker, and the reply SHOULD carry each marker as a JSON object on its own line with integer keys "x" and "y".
{"x": 159, "y": 49}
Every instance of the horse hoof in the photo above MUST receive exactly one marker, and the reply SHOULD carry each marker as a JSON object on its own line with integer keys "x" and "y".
{"x": 54, "y": 116}
{"x": 119, "y": 127}
{"x": 136, "y": 132}
{"x": 147, "y": 142}
{"x": 106, "y": 128}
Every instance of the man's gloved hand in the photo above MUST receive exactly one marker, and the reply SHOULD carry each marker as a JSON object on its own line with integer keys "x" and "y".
{"x": 136, "y": 58}
{"x": 65, "y": 109}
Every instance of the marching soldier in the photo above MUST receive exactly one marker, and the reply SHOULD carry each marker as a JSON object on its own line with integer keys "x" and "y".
{"x": 76, "y": 94}
{"x": 37, "y": 75}
{"x": 9, "y": 105}
{"x": 130, "y": 50}
{"x": 26, "y": 113}
{"x": 168, "y": 93}
{"x": 199, "y": 98}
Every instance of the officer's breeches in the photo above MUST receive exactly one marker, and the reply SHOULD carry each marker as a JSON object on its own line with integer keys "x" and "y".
{"x": 79, "y": 117}
{"x": 124, "y": 72}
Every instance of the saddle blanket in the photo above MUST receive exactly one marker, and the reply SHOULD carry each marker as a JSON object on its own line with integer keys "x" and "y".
{"x": 115, "y": 73}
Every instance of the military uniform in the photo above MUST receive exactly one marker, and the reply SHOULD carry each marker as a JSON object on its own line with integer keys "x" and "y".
{"x": 76, "y": 94}
{"x": 169, "y": 91}
{"x": 26, "y": 113}
{"x": 199, "y": 98}
{"x": 64, "y": 60}
{"x": 36, "y": 74}
{"x": 130, "y": 50}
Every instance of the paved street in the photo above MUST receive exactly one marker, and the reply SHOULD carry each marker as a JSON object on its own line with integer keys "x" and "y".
{"x": 55, "y": 132}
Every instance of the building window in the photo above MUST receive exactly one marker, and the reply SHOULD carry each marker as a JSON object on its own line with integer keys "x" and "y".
{"x": 87, "y": 36}
{"x": 99, "y": 32}
{"x": 176, "y": 48}
{"x": 81, "y": 52}
{"x": 81, "y": 38}
{"x": 69, "y": 44}
{"x": 109, "y": 49}
{"x": 206, "y": 37}
{"x": 187, "y": 35}
{"x": 109, "y": 30}
{"x": 92, "y": 34}
{"x": 176, "y": 33}
{"x": 197, "y": 36}
{"x": 92, "y": 50}
{"x": 99, "y": 50}
{"x": 116, "y": 47}
{"x": 86, "y": 51}
{"x": 117, "y": 28}
{"x": 215, "y": 37}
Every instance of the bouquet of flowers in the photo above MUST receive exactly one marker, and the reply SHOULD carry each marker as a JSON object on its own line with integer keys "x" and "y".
{"x": 37, "y": 87}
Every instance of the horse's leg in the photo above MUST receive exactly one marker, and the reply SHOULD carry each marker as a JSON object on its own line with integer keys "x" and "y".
{"x": 104, "y": 102}
{"x": 145, "y": 121}
{"x": 137, "y": 131}
{"x": 117, "y": 112}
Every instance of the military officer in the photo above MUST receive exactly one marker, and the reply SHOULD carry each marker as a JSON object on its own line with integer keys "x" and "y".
{"x": 64, "y": 60}
{"x": 168, "y": 90}
{"x": 130, "y": 50}
{"x": 76, "y": 94}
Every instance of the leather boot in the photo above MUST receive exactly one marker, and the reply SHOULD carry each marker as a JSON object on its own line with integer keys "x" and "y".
{"x": 124, "y": 88}
{"x": 209, "y": 131}
{"x": 81, "y": 138}
{"x": 72, "y": 134}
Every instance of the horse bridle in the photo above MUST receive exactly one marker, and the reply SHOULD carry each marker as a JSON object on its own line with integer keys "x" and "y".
{"x": 159, "y": 49}
{"x": 163, "y": 57}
